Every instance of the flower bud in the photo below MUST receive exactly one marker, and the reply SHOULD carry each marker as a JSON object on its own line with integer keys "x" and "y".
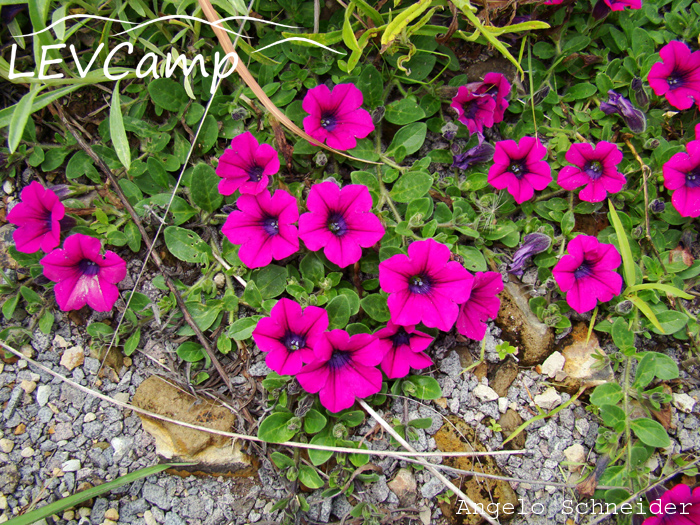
{"x": 61, "y": 190}
{"x": 321, "y": 159}
{"x": 640, "y": 95}
{"x": 239, "y": 114}
{"x": 652, "y": 144}
{"x": 550, "y": 284}
{"x": 624, "y": 307}
{"x": 637, "y": 232}
{"x": 633, "y": 117}
{"x": 294, "y": 424}
{"x": 657, "y": 206}
{"x": 449, "y": 131}
{"x": 340, "y": 431}
{"x": 378, "y": 115}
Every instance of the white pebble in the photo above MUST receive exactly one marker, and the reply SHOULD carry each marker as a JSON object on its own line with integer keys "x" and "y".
{"x": 6, "y": 445}
{"x": 72, "y": 465}
{"x": 27, "y": 452}
{"x": 42, "y": 395}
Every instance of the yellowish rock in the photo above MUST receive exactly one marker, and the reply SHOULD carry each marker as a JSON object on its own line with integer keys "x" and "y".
{"x": 112, "y": 514}
{"x": 213, "y": 454}
{"x": 73, "y": 357}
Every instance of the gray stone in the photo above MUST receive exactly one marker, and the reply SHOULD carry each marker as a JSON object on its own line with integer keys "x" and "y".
{"x": 432, "y": 488}
{"x": 379, "y": 490}
{"x": 156, "y": 495}
{"x": 9, "y": 478}
{"x": 98, "y": 511}
{"x": 132, "y": 508}
{"x": 452, "y": 366}
{"x": 12, "y": 403}
{"x": 171, "y": 518}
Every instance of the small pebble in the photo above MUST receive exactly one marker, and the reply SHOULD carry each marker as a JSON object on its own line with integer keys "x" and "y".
{"x": 72, "y": 465}
{"x": 89, "y": 417}
{"x": 84, "y": 512}
{"x": 27, "y": 452}
{"x": 112, "y": 514}
{"x": 6, "y": 445}
{"x": 127, "y": 362}
{"x": 150, "y": 520}
{"x": 68, "y": 515}
{"x": 42, "y": 395}
{"x": 28, "y": 386}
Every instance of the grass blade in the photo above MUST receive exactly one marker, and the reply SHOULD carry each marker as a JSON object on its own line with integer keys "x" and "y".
{"x": 19, "y": 118}
{"x": 117, "y": 131}
{"x": 667, "y": 288}
{"x": 644, "y": 308}
{"x": 625, "y": 252}
{"x": 71, "y": 501}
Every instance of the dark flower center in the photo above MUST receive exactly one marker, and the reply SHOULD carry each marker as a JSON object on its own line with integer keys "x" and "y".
{"x": 339, "y": 359}
{"x": 293, "y": 342}
{"x": 676, "y": 79}
{"x": 337, "y": 224}
{"x": 585, "y": 270}
{"x": 471, "y": 108}
{"x": 255, "y": 173}
{"x": 88, "y": 267}
{"x": 594, "y": 169}
{"x": 517, "y": 168}
{"x": 328, "y": 121}
{"x": 271, "y": 226}
{"x": 692, "y": 178}
{"x": 400, "y": 338}
{"x": 419, "y": 284}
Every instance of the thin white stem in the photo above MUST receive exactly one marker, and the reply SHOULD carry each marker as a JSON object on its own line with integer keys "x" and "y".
{"x": 435, "y": 472}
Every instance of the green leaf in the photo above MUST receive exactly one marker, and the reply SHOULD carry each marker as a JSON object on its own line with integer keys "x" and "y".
{"x": 309, "y": 477}
{"x": 319, "y": 457}
{"x": 655, "y": 364}
{"x": 281, "y": 461}
{"x": 625, "y": 251}
{"x": 404, "y": 111}
{"x": 670, "y": 321}
{"x": 40, "y": 102}
{"x": 203, "y": 315}
{"x": 186, "y": 245}
{"x": 312, "y": 268}
{"x": 567, "y": 223}
{"x": 132, "y": 343}
{"x": 580, "y": 91}
{"x": 30, "y": 296}
{"x": 650, "y": 432}
{"x": 314, "y": 421}
{"x": 338, "y": 312}
{"x": 666, "y": 288}
{"x": 191, "y": 352}
{"x": 243, "y": 328}
{"x": 425, "y": 387}
{"x": 116, "y": 129}
{"x": 375, "y": 306}
{"x": 613, "y": 417}
{"x": 252, "y": 295}
{"x": 57, "y": 507}
{"x": 372, "y": 86}
{"x": 622, "y": 336}
{"x": 46, "y": 322}
{"x": 98, "y": 330}
{"x": 275, "y": 428}
{"x": 409, "y": 137}
{"x": 168, "y": 94}
{"x": 411, "y": 185}
{"x": 20, "y": 116}
{"x": 9, "y": 306}
{"x": 270, "y": 280}
{"x": 205, "y": 188}
{"x": 644, "y": 308}
{"x": 606, "y": 394}
{"x": 352, "y": 418}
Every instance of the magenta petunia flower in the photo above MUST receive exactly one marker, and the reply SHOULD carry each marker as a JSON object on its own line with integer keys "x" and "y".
{"x": 340, "y": 221}
{"x": 403, "y": 348}
{"x": 682, "y": 176}
{"x": 246, "y": 165}
{"x": 82, "y": 275}
{"x": 619, "y": 5}
{"x": 474, "y": 111}
{"x": 425, "y": 286}
{"x": 335, "y": 117}
{"x": 520, "y": 168}
{"x": 496, "y": 85}
{"x": 587, "y": 274}
{"x": 264, "y": 227}
{"x": 677, "y": 75}
{"x": 482, "y": 305}
{"x": 678, "y": 506}
{"x": 289, "y": 335}
{"x": 344, "y": 369}
{"x": 596, "y": 168}
{"x": 38, "y": 217}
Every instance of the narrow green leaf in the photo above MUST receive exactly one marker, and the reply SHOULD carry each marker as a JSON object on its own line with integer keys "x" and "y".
{"x": 59, "y": 506}
{"x": 19, "y": 118}
{"x": 644, "y": 308}
{"x": 667, "y": 288}
{"x": 40, "y": 102}
{"x": 626, "y": 253}
{"x": 116, "y": 129}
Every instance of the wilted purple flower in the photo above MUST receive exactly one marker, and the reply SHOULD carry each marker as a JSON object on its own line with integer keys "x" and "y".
{"x": 633, "y": 117}
{"x": 482, "y": 152}
{"x": 639, "y": 94}
{"x": 449, "y": 131}
{"x": 533, "y": 244}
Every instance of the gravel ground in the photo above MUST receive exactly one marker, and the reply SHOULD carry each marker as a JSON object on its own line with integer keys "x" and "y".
{"x": 55, "y": 439}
